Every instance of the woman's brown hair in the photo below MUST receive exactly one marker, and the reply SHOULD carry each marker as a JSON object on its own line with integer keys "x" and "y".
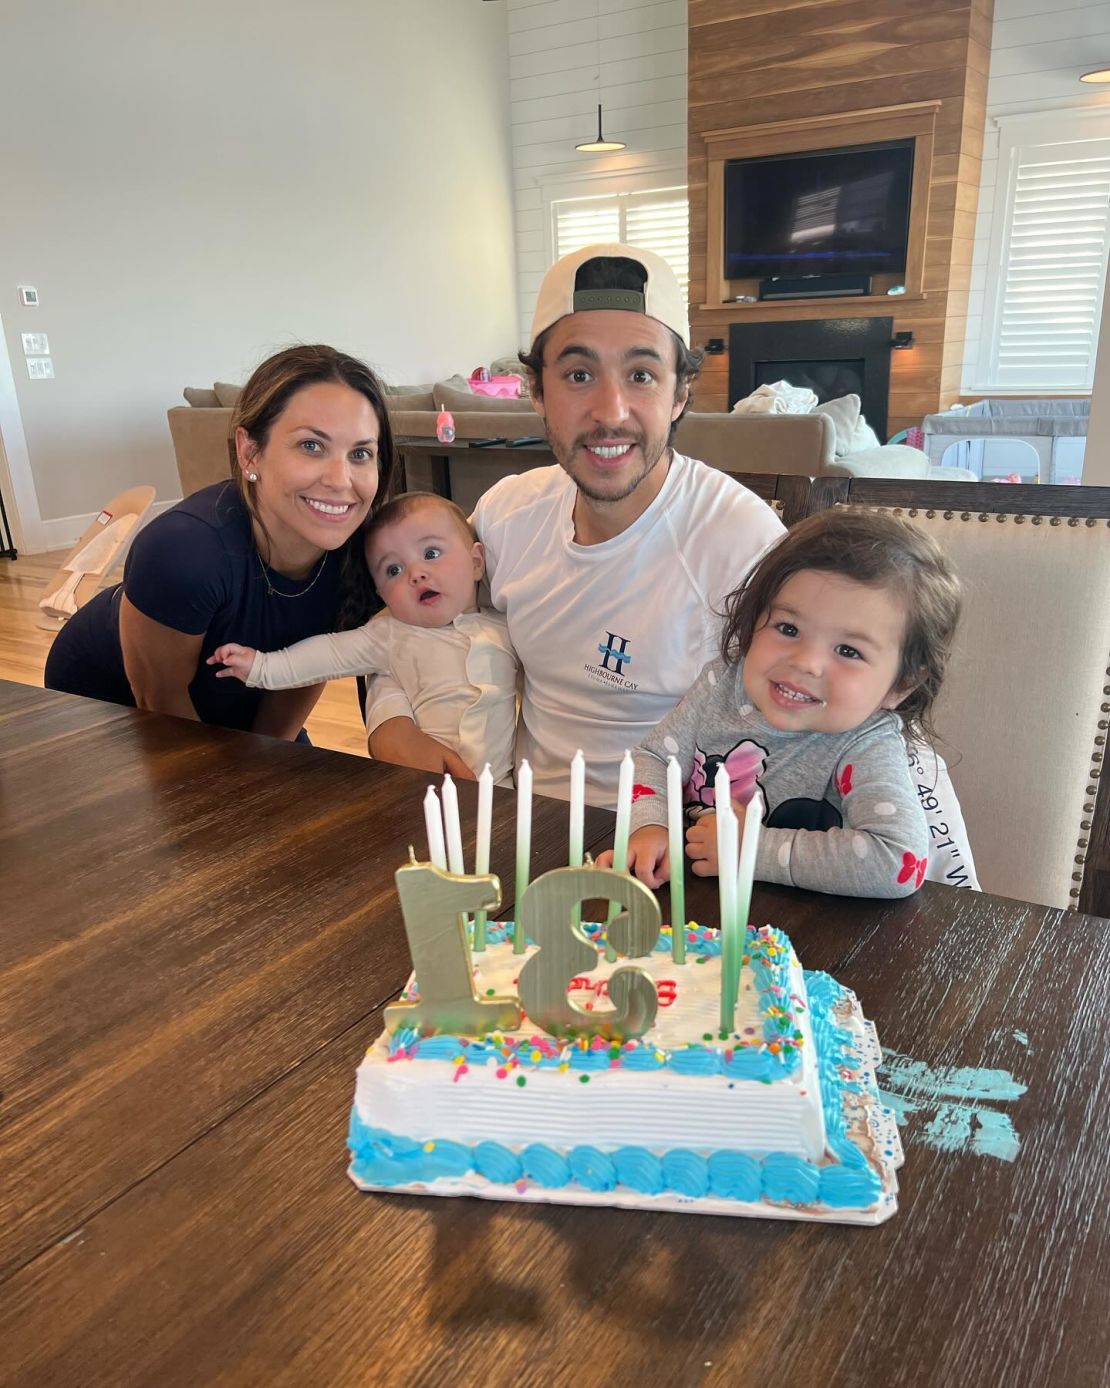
{"x": 264, "y": 398}
{"x": 879, "y": 551}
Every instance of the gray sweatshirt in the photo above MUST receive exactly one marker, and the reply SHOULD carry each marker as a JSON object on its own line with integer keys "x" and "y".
{"x": 842, "y": 814}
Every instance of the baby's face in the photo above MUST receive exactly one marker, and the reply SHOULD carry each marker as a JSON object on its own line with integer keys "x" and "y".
{"x": 425, "y": 567}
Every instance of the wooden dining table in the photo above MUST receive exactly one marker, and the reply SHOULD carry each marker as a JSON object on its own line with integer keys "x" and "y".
{"x": 199, "y": 932}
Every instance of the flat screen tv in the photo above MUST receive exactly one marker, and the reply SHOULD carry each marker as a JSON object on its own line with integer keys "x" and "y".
{"x": 829, "y": 211}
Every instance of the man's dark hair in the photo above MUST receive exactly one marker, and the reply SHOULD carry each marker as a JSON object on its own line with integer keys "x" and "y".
{"x": 618, "y": 272}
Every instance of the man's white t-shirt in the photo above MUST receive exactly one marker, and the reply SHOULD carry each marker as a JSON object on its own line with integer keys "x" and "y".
{"x": 610, "y": 636}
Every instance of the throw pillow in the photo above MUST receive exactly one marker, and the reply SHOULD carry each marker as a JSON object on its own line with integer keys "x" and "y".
{"x": 863, "y": 436}
{"x": 227, "y": 395}
{"x": 456, "y": 398}
{"x": 844, "y": 413}
{"x": 201, "y": 397}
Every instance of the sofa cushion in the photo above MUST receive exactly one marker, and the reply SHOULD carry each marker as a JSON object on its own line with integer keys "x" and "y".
{"x": 201, "y": 397}
{"x": 409, "y": 398}
{"x": 844, "y": 413}
{"x": 465, "y": 399}
{"x": 227, "y": 395}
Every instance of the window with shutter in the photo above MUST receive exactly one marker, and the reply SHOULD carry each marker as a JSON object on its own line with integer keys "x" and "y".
{"x": 656, "y": 221}
{"x": 1050, "y": 241}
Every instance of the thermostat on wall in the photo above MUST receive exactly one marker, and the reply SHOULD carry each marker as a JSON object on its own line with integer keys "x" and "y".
{"x": 28, "y": 296}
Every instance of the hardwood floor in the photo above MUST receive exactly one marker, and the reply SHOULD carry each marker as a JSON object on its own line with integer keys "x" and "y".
{"x": 335, "y": 721}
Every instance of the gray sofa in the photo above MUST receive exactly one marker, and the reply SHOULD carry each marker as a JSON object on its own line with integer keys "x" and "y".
{"x": 807, "y": 445}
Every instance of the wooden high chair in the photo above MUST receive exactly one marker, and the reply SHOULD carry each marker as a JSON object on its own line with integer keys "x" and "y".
{"x": 101, "y": 549}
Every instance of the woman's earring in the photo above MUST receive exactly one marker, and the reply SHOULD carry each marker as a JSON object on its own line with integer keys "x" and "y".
{"x": 252, "y": 476}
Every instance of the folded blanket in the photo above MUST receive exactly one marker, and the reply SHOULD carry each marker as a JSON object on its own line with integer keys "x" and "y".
{"x": 778, "y": 398}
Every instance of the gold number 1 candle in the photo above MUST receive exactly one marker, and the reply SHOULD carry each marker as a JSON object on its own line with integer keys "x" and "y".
{"x": 434, "y": 905}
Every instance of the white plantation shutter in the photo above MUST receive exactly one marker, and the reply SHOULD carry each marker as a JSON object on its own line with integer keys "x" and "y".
{"x": 660, "y": 222}
{"x": 1052, "y": 252}
{"x": 655, "y": 221}
{"x": 582, "y": 221}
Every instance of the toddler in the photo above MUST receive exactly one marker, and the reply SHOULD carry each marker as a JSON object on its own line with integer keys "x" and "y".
{"x": 833, "y": 652}
{"x": 451, "y": 658}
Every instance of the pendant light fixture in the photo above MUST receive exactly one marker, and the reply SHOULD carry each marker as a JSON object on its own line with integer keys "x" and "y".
{"x": 1098, "y": 74}
{"x": 601, "y": 145}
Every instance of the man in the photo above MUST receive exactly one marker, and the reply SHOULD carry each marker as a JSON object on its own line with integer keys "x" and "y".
{"x": 611, "y": 567}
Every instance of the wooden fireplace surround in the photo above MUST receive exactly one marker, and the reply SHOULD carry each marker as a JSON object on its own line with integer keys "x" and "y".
{"x": 914, "y": 120}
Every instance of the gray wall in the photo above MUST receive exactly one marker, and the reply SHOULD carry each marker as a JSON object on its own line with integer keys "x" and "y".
{"x": 192, "y": 186}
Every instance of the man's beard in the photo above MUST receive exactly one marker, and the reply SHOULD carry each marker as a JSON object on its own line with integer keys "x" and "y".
{"x": 587, "y": 486}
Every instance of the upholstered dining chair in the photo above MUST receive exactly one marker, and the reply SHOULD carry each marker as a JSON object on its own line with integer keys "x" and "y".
{"x": 787, "y": 495}
{"x": 1024, "y": 711}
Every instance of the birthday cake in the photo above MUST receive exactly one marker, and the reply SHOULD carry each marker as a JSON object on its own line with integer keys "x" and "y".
{"x": 776, "y": 1116}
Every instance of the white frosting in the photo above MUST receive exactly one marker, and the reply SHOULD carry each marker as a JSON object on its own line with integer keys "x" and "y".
{"x": 656, "y": 1109}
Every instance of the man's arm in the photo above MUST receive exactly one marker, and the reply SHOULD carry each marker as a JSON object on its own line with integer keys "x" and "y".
{"x": 400, "y": 741}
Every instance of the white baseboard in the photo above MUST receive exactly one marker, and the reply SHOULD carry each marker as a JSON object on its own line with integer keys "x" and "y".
{"x": 63, "y": 532}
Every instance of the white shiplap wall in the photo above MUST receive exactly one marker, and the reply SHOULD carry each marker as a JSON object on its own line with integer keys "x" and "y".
{"x": 554, "y": 50}
{"x": 1038, "y": 50}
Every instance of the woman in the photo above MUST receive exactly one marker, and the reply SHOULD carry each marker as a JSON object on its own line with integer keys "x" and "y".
{"x": 266, "y": 559}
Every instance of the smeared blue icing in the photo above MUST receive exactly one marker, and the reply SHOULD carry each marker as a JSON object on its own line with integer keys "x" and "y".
{"x": 956, "y": 1096}
{"x": 846, "y": 1181}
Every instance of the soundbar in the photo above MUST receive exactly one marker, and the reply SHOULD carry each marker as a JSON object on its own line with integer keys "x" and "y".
{"x": 815, "y": 287}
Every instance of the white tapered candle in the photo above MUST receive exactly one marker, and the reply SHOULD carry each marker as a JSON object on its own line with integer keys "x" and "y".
{"x": 523, "y": 845}
{"x": 621, "y": 834}
{"x": 481, "y": 845}
{"x": 745, "y": 872}
{"x": 433, "y": 824}
{"x": 452, "y": 825}
{"x": 676, "y": 843}
{"x": 577, "y": 807}
{"x": 727, "y": 855}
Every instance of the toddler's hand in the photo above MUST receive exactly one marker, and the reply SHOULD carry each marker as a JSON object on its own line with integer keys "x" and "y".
{"x": 237, "y": 660}
{"x": 647, "y": 855}
{"x": 701, "y": 841}
{"x": 701, "y": 846}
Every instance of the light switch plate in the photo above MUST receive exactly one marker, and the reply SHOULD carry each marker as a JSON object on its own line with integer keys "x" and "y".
{"x": 35, "y": 345}
{"x": 40, "y": 368}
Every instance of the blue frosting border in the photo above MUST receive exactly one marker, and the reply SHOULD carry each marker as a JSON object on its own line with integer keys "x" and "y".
{"x": 848, "y": 1181}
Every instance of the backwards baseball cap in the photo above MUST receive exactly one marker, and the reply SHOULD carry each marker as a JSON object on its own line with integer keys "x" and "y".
{"x": 661, "y": 298}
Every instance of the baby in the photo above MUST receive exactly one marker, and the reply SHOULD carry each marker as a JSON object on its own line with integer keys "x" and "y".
{"x": 451, "y": 658}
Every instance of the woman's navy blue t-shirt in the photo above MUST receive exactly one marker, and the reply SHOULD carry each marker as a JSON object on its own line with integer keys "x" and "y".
{"x": 195, "y": 568}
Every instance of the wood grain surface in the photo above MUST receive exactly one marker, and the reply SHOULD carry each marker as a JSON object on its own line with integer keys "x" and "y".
{"x": 195, "y": 969}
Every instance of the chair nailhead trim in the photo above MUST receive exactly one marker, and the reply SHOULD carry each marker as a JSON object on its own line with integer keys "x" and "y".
{"x": 1083, "y": 843}
{"x": 1073, "y": 891}
{"x": 1074, "y": 521}
{"x": 1019, "y": 520}
{"x": 1077, "y": 877}
{"x": 1085, "y": 823}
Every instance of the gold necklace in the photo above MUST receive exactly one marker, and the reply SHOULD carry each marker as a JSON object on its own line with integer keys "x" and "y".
{"x": 273, "y": 592}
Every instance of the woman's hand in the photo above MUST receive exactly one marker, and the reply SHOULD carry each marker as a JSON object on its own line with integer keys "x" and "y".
{"x": 237, "y": 660}
{"x": 648, "y": 858}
